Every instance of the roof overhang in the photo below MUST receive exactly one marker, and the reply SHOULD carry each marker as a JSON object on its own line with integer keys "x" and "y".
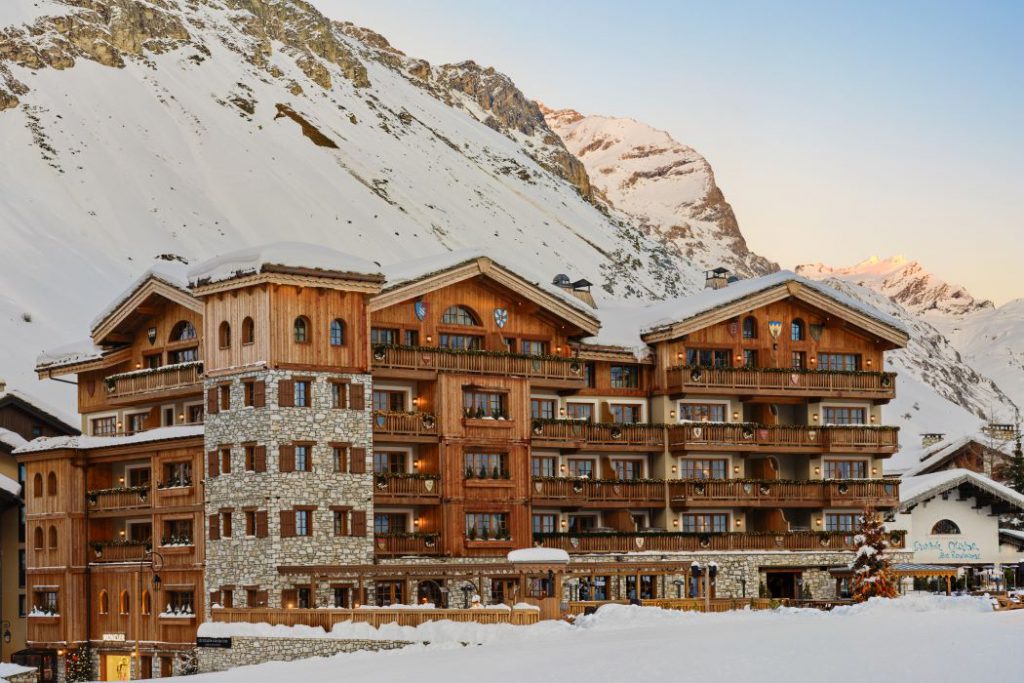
{"x": 297, "y": 277}
{"x": 151, "y": 287}
{"x": 897, "y": 338}
{"x": 981, "y": 486}
{"x": 484, "y": 266}
{"x": 109, "y": 358}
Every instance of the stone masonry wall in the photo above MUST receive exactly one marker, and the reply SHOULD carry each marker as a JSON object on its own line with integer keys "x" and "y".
{"x": 249, "y": 561}
{"x": 248, "y": 650}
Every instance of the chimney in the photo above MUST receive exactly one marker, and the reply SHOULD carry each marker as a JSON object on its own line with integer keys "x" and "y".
{"x": 3, "y": 385}
{"x": 579, "y": 289}
{"x": 931, "y": 439}
{"x": 717, "y": 278}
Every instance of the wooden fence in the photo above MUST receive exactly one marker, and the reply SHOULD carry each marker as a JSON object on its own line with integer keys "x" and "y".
{"x": 327, "y": 618}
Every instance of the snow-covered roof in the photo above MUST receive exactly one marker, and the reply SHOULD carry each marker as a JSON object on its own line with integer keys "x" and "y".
{"x": 538, "y": 555}
{"x": 1016, "y": 534}
{"x": 936, "y": 454}
{"x": 74, "y": 353}
{"x": 53, "y": 443}
{"x": 914, "y": 490}
{"x": 10, "y": 485}
{"x": 56, "y": 414}
{"x": 173, "y": 273}
{"x": 11, "y": 439}
{"x": 297, "y": 255}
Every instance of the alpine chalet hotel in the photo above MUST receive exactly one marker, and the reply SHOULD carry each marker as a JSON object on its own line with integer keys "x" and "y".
{"x": 291, "y": 428}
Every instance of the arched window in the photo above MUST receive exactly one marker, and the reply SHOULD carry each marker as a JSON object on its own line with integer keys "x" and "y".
{"x": 459, "y": 315}
{"x": 224, "y": 334}
{"x": 37, "y": 485}
{"x": 53, "y": 538}
{"x": 796, "y": 330}
{"x": 51, "y": 484}
{"x": 750, "y": 327}
{"x": 300, "y": 330}
{"x": 945, "y": 527}
{"x": 104, "y": 601}
{"x": 337, "y": 332}
{"x": 183, "y": 331}
{"x": 125, "y": 603}
{"x": 37, "y": 538}
{"x": 248, "y": 331}
{"x": 146, "y": 602}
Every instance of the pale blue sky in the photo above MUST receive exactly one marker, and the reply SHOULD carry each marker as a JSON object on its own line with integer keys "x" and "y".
{"x": 837, "y": 130}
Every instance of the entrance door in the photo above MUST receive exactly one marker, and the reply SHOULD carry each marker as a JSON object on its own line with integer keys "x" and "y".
{"x": 430, "y": 592}
{"x": 118, "y": 668}
{"x": 782, "y": 584}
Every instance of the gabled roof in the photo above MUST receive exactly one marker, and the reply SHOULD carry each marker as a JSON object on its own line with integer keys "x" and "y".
{"x": 415, "y": 278}
{"x": 85, "y": 442}
{"x": 942, "y": 452}
{"x": 915, "y": 490}
{"x": 10, "y": 440}
{"x": 674, "y": 318}
{"x": 40, "y": 410}
{"x": 164, "y": 278}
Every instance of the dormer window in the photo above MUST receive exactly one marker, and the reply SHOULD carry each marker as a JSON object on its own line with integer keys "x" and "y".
{"x": 183, "y": 331}
{"x": 459, "y": 315}
{"x": 300, "y": 330}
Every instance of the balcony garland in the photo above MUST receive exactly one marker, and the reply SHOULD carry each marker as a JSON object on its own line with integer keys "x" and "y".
{"x": 99, "y": 546}
{"x": 110, "y": 380}
{"x": 407, "y": 475}
{"x": 603, "y": 481}
{"x": 380, "y": 352}
{"x": 797, "y": 371}
{"x": 94, "y": 495}
{"x": 541, "y": 536}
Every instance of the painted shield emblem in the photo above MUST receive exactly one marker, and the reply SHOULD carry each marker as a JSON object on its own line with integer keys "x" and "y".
{"x": 501, "y": 316}
{"x": 734, "y": 328}
{"x": 698, "y": 432}
{"x": 639, "y": 541}
{"x": 428, "y": 484}
{"x": 775, "y": 328}
{"x": 816, "y": 331}
{"x": 421, "y": 309}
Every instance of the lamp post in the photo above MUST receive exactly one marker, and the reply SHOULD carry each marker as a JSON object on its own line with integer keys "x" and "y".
{"x": 466, "y": 589}
{"x": 679, "y": 587}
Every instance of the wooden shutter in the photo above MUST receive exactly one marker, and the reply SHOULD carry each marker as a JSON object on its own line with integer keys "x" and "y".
{"x": 153, "y": 419}
{"x": 259, "y": 458}
{"x": 214, "y": 527}
{"x": 286, "y": 393}
{"x": 287, "y": 523}
{"x": 212, "y": 403}
{"x": 261, "y": 524}
{"x": 286, "y": 458}
{"x": 214, "y": 598}
{"x": 357, "y": 464}
{"x": 358, "y": 526}
{"x": 357, "y": 401}
{"x": 213, "y": 464}
{"x": 259, "y": 393}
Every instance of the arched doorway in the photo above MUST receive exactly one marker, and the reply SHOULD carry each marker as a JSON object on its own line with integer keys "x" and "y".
{"x": 433, "y": 592}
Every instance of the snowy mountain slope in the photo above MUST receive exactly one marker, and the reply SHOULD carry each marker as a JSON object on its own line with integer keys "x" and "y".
{"x": 665, "y": 187}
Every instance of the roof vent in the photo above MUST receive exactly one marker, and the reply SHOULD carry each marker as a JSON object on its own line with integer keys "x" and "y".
{"x": 562, "y": 280}
{"x": 717, "y": 278}
{"x": 931, "y": 439}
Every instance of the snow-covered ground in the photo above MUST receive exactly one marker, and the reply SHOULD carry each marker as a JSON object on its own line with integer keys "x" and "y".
{"x": 912, "y": 639}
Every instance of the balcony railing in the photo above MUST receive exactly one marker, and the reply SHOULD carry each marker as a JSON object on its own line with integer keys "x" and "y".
{"x": 740, "y": 436}
{"x": 407, "y": 544}
{"x": 575, "y": 491}
{"x": 478, "y": 362}
{"x": 119, "y": 551}
{"x": 126, "y": 498}
{"x": 386, "y": 422}
{"x": 622, "y": 542}
{"x": 578, "y": 433}
{"x": 689, "y": 379}
{"x": 769, "y": 493}
{"x": 328, "y": 618}
{"x": 411, "y": 485}
{"x": 179, "y": 376}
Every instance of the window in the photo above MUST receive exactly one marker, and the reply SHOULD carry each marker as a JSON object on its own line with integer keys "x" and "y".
{"x": 338, "y": 396}
{"x": 337, "y": 332}
{"x": 580, "y": 411}
{"x": 709, "y": 358}
{"x": 104, "y": 426}
{"x": 224, "y": 396}
{"x": 542, "y": 408}
{"x": 341, "y": 522}
{"x": 844, "y": 416}
{"x": 750, "y": 327}
{"x": 182, "y": 331}
{"x": 411, "y": 337}
{"x": 703, "y": 468}
{"x": 177, "y": 474}
{"x": 303, "y": 522}
{"x": 385, "y": 523}
{"x": 484, "y": 525}
{"x": 248, "y": 331}
{"x": 388, "y": 593}
{"x": 151, "y": 361}
{"x": 125, "y": 603}
{"x": 140, "y": 532}
{"x": 342, "y": 596}
{"x": 393, "y": 401}
{"x": 624, "y": 413}
{"x": 189, "y": 355}
{"x": 302, "y": 458}
{"x": 37, "y": 485}
{"x": 138, "y": 476}
{"x": 52, "y": 538}
{"x": 177, "y": 532}
{"x": 225, "y": 460}
{"x": 945, "y": 527}
{"x": 582, "y": 523}
{"x": 530, "y": 347}
{"x": 51, "y": 484}
{"x": 798, "y": 360}
{"x": 180, "y": 602}
{"x": 839, "y": 362}
{"x": 195, "y": 413}
{"x": 846, "y": 469}
{"x": 303, "y": 394}
{"x": 224, "y": 335}
{"x": 628, "y": 469}
{"x": 300, "y": 330}
{"x": 841, "y": 522}
{"x": 796, "y": 330}
{"x": 136, "y": 423}
{"x": 459, "y": 315}
{"x": 147, "y": 603}
{"x": 168, "y": 417}
{"x": 486, "y": 465}
{"x": 702, "y": 412}
{"x": 543, "y": 466}
{"x": 545, "y": 523}
{"x": 384, "y": 336}
{"x": 581, "y": 468}
{"x": 385, "y": 462}
{"x": 104, "y": 603}
{"x": 225, "y": 518}
{"x": 625, "y": 376}
{"x": 46, "y": 601}
{"x": 590, "y": 374}
{"x": 460, "y": 342}
{"x": 705, "y": 523}
{"x": 250, "y": 522}
{"x": 338, "y": 458}
{"x": 249, "y": 394}
{"x": 37, "y": 538}
{"x": 478, "y": 403}
{"x": 750, "y": 358}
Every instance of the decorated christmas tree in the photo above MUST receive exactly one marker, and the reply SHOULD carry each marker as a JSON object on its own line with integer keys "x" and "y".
{"x": 872, "y": 576}
{"x": 78, "y": 665}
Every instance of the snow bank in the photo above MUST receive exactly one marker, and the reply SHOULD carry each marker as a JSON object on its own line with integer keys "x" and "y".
{"x": 8, "y": 669}
{"x": 538, "y": 555}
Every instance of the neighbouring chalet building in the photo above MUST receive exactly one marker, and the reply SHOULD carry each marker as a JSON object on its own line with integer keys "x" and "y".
{"x": 290, "y": 427}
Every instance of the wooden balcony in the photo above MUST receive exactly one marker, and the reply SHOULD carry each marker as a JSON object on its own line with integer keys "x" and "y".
{"x": 719, "y": 436}
{"x": 169, "y": 381}
{"x": 577, "y": 434}
{"x": 398, "y": 488}
{"x": 575, "y": 492}
{"x": 411, "y": 427}
{"x": 127, "y": 498}
{"x": 407, "y": 544}
{"x": 878, "y": 386}
{"x": 625, "y": 542}
{"x": 117, "y": 551}
{"x": 425, "y": 362}
{"x": 878, "y": 493}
